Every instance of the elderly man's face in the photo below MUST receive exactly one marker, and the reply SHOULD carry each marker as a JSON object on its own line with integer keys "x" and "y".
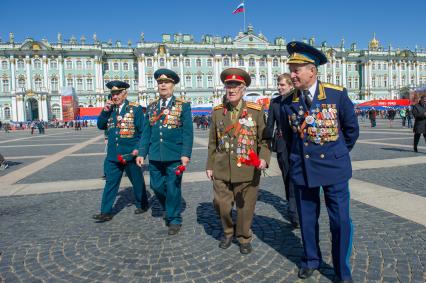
{"x": 234, "y": 92}
{"x": 165, "y": 89}
{"x": 303, "y": 76}
{"x": 118, "y": 97}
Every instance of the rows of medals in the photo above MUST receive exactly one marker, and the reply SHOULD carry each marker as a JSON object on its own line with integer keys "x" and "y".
{"x": 126, "y": 124}
{"x": 323, "y": 124}
{"x": 171, "y": 115}
{"x": 246, "y": 138}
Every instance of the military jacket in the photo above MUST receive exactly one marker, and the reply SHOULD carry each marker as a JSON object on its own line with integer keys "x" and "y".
{"x": 229, "y": 142}
{"x": 123, "y": 129}
{"x": 168, "y": 133}
{"x": 322, "y": 136}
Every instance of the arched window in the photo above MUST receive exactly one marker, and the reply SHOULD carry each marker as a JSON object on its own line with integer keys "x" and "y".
{"x": 21, "y": 83}
{"x": 188, "y": 81}
{"x": 7, "y": 115}
{"x": 226, "y": 62}
{"x": 241, "y": 62}
{"x": 53, "y": 64}
{"x": 54, "y": 84}
{"x": 21, "y": 64}
{"x": 275, "y": 62}
{"x": 253, "y": 78}
{"x": 251, "y": 62}
{"x": 209, "y": 62}
{"x": 385, "y": 81}
{"x": 37, "y": 64}
{"x": 187, "y": 63}
{"x": 199, "y": 81}
{"x": 70, "y": 82}
{"x": 79, "y": 64}
{"x": 337, "y": 64}
{"x": 149, "y": 62}
{"x": 198, "y": 62}
{"x": 37, "y": 84}
{"x": 262, "y": 80}
{"x": 125, "y": 66}
{"x": 115, "y": 66}
{"x": 394, "y": 81}
{"x": 262, "y": 62}
{"x": 350, "y": 83}
{"x": 56, "y": 111}
{"x": 68, "y": 64}
{"x": 4, "y": 65}
{"x": 106, "y": 66}
{"x": 89, "y": 84}
{"x": 5, "y": 83}
{"x": 149, "y": 82}
{"x": 373, "y": 81}
{"x": 162, "y": 62}
{"x": 175, "y": 62}
{"x": 338, "y": 79}
{"x": 209, "y": 81}
{"x": 88, "y": 64}
{"x": 79, "y": 84}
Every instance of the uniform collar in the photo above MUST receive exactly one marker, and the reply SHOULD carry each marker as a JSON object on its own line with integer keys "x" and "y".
{"x": 238, "y": 107}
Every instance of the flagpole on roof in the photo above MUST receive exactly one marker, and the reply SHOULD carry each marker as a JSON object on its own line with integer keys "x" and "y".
{"x": 244, "y": 27}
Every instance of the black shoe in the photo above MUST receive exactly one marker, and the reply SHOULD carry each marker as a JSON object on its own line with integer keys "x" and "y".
{"x": 102, "y": 217}
{"x": 174, "y": 229}
{"x": 141, "y": 210}
{"x": 305, "y": 273}
{"x": 245, "y": 248}
{"x": 225, "y": 243}
{"x": 415, "y": 149}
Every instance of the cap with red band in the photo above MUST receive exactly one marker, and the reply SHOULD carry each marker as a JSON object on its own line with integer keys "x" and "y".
{"x": 235, "y": 75}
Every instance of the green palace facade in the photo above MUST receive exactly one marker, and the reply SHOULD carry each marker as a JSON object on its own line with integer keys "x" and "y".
{"x": 34, "y": 74}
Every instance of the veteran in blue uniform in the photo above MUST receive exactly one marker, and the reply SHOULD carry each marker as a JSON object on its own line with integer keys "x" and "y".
{"x": 325, "y": 129}
{"x": 123, "y": 122}
{"x": 167, "y": 140}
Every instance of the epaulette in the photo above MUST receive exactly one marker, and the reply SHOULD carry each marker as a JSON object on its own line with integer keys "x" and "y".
{"x": 153, "y": 102}
{"x": 336, "y": 87}
{"x": 217, "y": 107}
{"x": 133, "y": 103}
{"x": 254, "y": 106}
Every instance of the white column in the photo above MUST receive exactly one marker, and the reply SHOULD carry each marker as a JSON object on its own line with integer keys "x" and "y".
{"x": 324, "y": 73}
{"x": 182, "y": 78}
{"x": 365, "y": 75}
{"x": 398, "y": 69}
{"x": 155, "y": 59}
{"x": 168, "y": 63}
{"x": 234, "y": 60}
{"x": 390, "y": 75}
{"x": 333, "y": 70}
{"x": 269, "y": 64}
{"x": 257, "y": 72}
{"x": 20, "y": 108}
{"x": 14, "y": 109}
{"x": 282, "y": 64}
{"x": 96, "y": 82}
{"x": 28, "y": 71}
{"x": 45, "y": 113}
{"x": 141, "y": 72}
{"x": 40, "y": 107}
{"x": 417, "y": 74}
{"x": 45, "y": 73}
{"x": 101, "y": 76}
{"x": 370, "y": 70}
{"x": 408, "y": 81}
{"x": 216, "y": 61}
{"x": 13, "y": 75}
{"x": 344, "y": 66}
{"x": 61, "y": 74}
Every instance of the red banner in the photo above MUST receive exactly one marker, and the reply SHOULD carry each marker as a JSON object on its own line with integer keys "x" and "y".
{"x": 385, "y": 103}
{"x": 69, "y": 108}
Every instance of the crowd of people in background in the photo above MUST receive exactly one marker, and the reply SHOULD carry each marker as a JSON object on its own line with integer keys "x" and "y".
{"x": 202, "y": 122}
{"x": 405, "y": 114}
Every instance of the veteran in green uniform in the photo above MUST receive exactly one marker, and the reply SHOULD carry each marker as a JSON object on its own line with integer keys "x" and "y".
{"x": 122, "y": 122}
{"x": 237, "y": 129}
{"x": 167, "y": 140}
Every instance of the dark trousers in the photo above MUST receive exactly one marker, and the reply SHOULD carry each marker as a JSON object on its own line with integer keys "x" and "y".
{"x": 167, "y": 188}
{"x": 337, "y": 201}
{"x": 417, "y": 139}
{"x": 114, "y": 173}
{"x": 289, "y": 188}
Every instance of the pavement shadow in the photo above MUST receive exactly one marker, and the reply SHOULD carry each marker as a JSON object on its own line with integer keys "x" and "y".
{"x": 125, "y": 198}
{"x": 273, "y": 232}
{"x": 157, "y": 210}
{"x": 401, "y": 150}
{"x": 12, "y": 163}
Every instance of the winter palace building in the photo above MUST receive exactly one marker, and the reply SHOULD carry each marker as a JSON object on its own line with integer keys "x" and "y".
{"x": 34, "y": 74}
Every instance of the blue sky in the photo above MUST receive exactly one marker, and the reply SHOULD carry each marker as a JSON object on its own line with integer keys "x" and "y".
{"x": 401, "y": 24}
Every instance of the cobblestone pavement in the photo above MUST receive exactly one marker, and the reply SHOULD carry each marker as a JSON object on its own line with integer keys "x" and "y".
{"x": 52, "y": 238}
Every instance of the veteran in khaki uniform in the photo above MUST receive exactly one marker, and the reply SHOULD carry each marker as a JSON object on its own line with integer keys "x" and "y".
{"x": 325, "y": 129}
{"x": 167, "y": 140}
{"x": 237, "y": 128}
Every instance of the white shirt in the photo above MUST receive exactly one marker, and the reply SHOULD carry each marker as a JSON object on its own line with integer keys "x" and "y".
{"x": 120, "y": 107}
{"x": 167, "y": 101}
{"x": 312, "y": 89}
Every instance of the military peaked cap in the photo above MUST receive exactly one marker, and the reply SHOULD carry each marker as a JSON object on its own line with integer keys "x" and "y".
{"x": 166, "y": 75}
{"x": 235, "y": 75}
{"x": 302, "y": 53}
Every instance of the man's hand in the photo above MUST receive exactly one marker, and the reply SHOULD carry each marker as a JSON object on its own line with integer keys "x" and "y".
{"x": 262, "y": 165}
{"x": 139, "y": 161}
{"x": 185, "y": 160}
{"x": 209, "y": 174}
{"x": 108, "y": 105}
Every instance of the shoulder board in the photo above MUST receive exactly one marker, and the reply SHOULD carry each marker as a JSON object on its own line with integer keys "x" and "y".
{"x": 217, "y": 107}
{"x": 254, "y": 106}
{"x": 133, "y": 104}
{"x": 154, "y": 102}
{"x": 180, "y": 99}
{"x": 336, "y": 87}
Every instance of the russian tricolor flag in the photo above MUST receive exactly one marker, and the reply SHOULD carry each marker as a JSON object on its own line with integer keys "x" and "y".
{"x": 239, "y": 9}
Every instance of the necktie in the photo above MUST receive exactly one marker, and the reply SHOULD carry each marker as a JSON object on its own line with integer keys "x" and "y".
{"x": 163, "y": 104}
{"x": 307, "y": 97}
